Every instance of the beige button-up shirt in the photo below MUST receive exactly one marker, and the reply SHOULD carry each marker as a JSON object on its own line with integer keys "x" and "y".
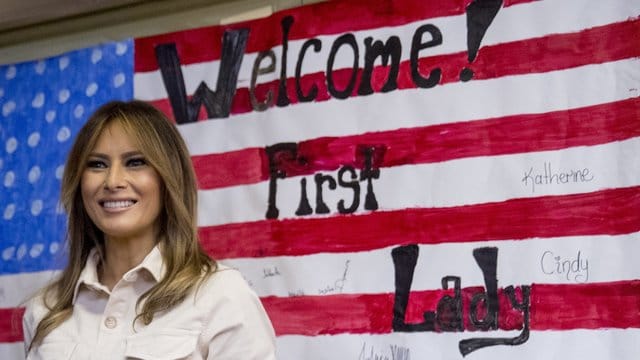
{"x": 222, "y": 320}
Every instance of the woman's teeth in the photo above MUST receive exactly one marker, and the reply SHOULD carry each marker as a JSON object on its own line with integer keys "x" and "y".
{"x": 118, "y": 204}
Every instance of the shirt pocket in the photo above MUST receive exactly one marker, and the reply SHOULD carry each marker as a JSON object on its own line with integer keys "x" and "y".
{"x": 59, "y": 350}
{"x": 172, "y": 344}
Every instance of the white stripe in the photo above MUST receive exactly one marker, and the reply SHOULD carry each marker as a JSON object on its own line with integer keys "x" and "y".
{"x": 513, "y": 23}
{"x": 512, "y": 95}
{"x": 520, "y": 262}
{"x": 451, "y": 183}
{"x": 574, "y": 344}
{"x": 17, "y": 289}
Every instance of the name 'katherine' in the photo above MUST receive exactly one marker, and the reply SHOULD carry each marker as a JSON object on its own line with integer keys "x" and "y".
{"x": 547, "y": 176}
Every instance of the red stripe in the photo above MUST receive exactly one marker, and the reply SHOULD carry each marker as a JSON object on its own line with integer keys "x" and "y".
{"x": 539, "y": 55}
{"x": 240, "y": 167}
{"x": 615, "y": 211}
{"x": 586, "y": 126}
{"x": 553, "y": 307}
{"x": 589, "y": 306}
{"x": 332, "y": 17}
{"x": 11, "y": 325}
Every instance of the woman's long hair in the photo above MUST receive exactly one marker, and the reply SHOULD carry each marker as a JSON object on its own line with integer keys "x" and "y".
{"x": 184, "y": 259}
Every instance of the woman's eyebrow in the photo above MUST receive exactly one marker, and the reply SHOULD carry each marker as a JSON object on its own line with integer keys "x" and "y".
{"x": 124, "y": 155}
{"x": 98, "y": 155}
{"x": 131, "y": 153}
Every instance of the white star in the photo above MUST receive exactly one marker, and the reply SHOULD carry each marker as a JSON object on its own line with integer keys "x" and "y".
{"x": 40, "y": 67}
{"x": 50, "y": 116}
{"x": 34, "y": 174}
{"x": 9, "y": 211}
{"x": 11, "y": 72}
{"x": 59, "y": 172}
{"x": 91, "y": 89}
{"x": 34, "y": 139}
{"x": 78, "y": 111}
{"x": 36, "y": 250}
{"x": 36, "y": 207}
{"x": 118, "y": 80}
{"x": 96, "y": 55}
{"x": 38, "y": 100}
{"x": 8, "y": 253}
{"x": 22, "y": 251}
{"x": 63, "y": 62}
{"x": 9, "y": 179}
{"x": 63, "y": 134}
{"x": 11, "y": 145}
{"x": 8, "y": 108}
{"x": 63, "y": 96}
{"x": 121, "y": 48}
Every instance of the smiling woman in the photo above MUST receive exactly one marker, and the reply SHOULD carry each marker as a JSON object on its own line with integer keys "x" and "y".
{"x": 138, "y": 284}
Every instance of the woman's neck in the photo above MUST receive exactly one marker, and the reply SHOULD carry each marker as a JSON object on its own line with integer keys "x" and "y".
{"x": 122, "y": 255}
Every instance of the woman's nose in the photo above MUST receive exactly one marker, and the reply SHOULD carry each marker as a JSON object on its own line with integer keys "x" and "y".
{"x": 116, "y": 178}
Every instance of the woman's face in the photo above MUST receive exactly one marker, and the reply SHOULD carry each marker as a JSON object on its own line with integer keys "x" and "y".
{"x": 120, "y": 190}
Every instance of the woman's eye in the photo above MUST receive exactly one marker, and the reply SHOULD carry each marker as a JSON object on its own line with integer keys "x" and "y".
{"x": 96, "y": 164}
{"x": 136, "y": 162}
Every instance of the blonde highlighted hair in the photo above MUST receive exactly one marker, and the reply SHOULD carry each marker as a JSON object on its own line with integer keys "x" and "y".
{"x": 185, "y": 261}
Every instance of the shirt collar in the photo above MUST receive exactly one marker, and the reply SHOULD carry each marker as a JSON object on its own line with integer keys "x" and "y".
{"x": 152, "y": 263}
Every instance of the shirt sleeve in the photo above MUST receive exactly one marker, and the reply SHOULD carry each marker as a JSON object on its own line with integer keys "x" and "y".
{"x": 237, "y": 326}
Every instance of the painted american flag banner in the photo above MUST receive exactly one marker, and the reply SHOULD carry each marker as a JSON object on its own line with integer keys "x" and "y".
{"x": 395, "y": 179}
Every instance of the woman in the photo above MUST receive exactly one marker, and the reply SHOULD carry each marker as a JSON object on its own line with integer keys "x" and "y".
{"x": 138, "y": 284}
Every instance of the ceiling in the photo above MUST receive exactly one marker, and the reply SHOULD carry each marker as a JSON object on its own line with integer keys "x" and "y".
{"x": 17, "y": 14}
{"x": 31, "y": 29}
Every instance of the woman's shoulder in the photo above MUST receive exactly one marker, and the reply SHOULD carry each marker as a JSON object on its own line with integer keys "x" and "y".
{"x": 227, "y": 277}
{"x": 36, "y": 307}
{"x": 225, "y": 283}
{"x": 237, "y": 325}
{"x": 35, "y": 310}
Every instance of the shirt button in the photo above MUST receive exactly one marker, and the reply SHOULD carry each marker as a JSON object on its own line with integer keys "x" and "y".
{"x": 110, "y": 322}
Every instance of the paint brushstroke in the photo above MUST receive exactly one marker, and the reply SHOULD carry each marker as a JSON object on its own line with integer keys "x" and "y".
{"x": 605, "y": 212}
{"x": 592, "y": 125}
{"x": 530, "y": 56}
{"x": 332, "y": 18}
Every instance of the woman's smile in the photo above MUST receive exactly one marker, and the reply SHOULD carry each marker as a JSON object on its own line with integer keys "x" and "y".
{"x": 117, "y": 205}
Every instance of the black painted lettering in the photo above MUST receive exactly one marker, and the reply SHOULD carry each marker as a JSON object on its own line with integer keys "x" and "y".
{"x": 487, "y": 259}
{"x": 391, "y": 49}
{"x": 468, "y": 346}
{"x": 278, "y": 155}
{"x": 321, "y": 206}
{"x": 370, "y": 172}
{"x": 217, "y": 103}
{"x": 354, "y": 185}
{"x": 405, "y": 259}
{"x": 283, "y": 97}
{"x": 257, "y": 70}
{"x": 304, "y": 208}
{"x": 449, "y": 311}
{"x": 350, "y": 40}
{"x": 313, "y": 92}
{"x": 416, "y": 46}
